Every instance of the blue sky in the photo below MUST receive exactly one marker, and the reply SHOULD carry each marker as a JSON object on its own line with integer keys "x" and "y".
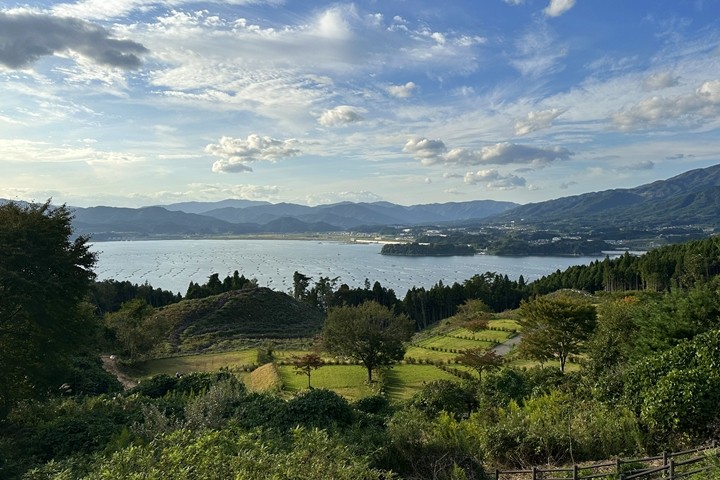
{"x": 131, "y": 102}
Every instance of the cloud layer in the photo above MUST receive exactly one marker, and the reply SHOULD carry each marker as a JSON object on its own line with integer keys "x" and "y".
{"x": 26, "y": 37}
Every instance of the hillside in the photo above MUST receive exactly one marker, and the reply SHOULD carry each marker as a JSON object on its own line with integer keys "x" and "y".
{"x": 689, "y": 198}
{"x": 236, "y": 317}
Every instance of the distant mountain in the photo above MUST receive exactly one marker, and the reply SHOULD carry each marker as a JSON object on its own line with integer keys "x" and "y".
{"x": 347, "y": 215}
{"x": 103, "y": 222}
{"x": 204, "y": 207}
{"x": 231, "y": 218}
{"x": 689, "y": 198}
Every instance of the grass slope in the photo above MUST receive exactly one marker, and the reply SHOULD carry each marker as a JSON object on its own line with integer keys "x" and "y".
{"x": 237, "y": 318}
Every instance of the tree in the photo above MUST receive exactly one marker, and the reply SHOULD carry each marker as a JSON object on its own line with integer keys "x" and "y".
{"x": 136, "y": 329}
{"x": 45, "y": 274}
{"x": 369, "y": 333}
{"x": 555, "y": 327}
{"x": 304, "y": 365}
{"x": 480, "y": 359}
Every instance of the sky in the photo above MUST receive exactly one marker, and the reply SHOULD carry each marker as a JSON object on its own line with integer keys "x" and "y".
{"x": 132, "y": 102}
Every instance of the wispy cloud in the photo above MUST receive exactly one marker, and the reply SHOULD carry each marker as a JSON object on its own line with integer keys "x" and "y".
{"x": 558, "y": 7}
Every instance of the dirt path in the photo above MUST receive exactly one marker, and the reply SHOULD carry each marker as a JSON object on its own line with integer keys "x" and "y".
{"x": 110, "y": 365}
{"x": 507, "y": 346}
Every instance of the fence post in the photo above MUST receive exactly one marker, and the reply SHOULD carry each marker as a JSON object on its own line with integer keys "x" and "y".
{"x": 534, "y": 473}
{"x": 497, "y": 474}
{"x": 665, "y": 458}
{"x": 575, "y": 472}
{"x": 672, "y": 469}
{"x": 617, "y": 467}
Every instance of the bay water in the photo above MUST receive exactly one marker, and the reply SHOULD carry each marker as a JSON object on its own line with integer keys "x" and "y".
{"x": 172, "y": 264}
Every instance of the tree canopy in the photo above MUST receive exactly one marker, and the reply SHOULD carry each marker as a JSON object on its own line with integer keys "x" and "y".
{"x": 369, "y": 333}
{"x": 555, "y": 327}
{"x": 45, "y": 275}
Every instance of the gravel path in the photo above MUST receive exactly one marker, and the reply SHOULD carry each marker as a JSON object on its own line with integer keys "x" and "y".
{"x": 507, "y": 346}
{"x": 110, "y": 366}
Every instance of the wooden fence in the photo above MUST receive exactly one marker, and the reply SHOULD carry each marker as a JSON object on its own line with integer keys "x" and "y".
{"x": 668, "y": 466}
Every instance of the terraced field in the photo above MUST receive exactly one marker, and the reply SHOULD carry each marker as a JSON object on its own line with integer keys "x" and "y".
{"x": 399, "y": 382}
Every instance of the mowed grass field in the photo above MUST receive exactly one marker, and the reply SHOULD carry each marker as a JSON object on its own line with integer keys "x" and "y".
{"x": 207, "y": 362}
{"x": 452, "y": 343}
{"x": 404, "y": 380}
{"x": 350, "y": 381}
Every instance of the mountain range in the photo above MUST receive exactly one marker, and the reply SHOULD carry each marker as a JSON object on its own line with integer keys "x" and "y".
{"x": 689, "y": 198}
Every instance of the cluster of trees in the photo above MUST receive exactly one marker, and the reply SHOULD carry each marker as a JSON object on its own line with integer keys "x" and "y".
{"x": 427, "y": 249}
{"x": 658, "y": 270}
{"x": 215, "y": 286}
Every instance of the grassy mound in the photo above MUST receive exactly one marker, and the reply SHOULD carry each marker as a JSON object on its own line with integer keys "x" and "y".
{"x": 238, "y": 318}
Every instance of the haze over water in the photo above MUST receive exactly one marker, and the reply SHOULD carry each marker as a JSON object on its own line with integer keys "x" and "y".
{"x": 172, "y": 264}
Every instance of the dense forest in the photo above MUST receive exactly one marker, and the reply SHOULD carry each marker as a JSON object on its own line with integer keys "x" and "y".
{"x": 645, "y": 331}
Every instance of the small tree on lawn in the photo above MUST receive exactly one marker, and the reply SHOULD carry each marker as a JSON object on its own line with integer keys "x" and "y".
{"x": 479, "y": 359}
{"x": 305, "y": 364}
{"x": 555, "y": 327}
{"x": 369, "y": 333}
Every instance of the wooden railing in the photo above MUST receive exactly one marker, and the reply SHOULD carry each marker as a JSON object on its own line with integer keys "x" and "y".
{"x": 668, "y": 466}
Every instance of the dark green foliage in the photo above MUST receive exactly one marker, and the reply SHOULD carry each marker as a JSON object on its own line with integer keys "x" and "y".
{"x": 87, "y": 376}
{"x": 193, "y": 383}
{"x": 374, "y": 404}
{"x": 61, "y": 428}
{"x": 109, "y": 295}
{"x": 676, "y": 392}
{"x": 445, "y": 395}
{"x": 431, "y": 249}
{"x": 319, "y": 408}
{"x": 214, "y": 286}
{"x": 44, "y": 277}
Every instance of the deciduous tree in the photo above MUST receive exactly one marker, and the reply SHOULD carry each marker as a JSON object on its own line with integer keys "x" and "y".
{"x": 555, "y": 327}
{"x": 369, "y": 333}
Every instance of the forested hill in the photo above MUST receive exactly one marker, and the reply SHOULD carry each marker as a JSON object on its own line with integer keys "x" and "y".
{"x": 689, "y": 198}
{"x": 236, "y": 315}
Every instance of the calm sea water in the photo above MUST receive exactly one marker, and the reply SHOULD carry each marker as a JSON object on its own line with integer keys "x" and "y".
{"x": 172, "y": 264}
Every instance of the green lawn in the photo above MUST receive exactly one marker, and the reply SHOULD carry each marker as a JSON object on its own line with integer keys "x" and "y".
{"x": 419, "y": 353}
{"x": 442, "y": 341}
{"x": 208, "y": 362}
{"x": 505, "y": 323}
{"x": 403, "y": 381}
{"x": 494, "y": 335}
{"x": 350, "y": 381}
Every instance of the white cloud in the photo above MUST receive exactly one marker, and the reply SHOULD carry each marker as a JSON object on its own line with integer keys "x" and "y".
{"x": 214, "y": 191}
{"x": 703, "y": 103}
{"x": 237, "y": 154}
{"x": 337, "y": 197}
{"x": 341, "y": 115}
{"x": 428, "y": 151}
{"x": 402, "y": 91}
{"x": 644, "y": 165}
{"x": 431, "y": 152}
{"x": 537, "y": 121}
{"x": 659, "y": 81}
{"x": 494, "y": 180}
{"x": 558, "y": 7}
{"x": 514, "y": 2}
